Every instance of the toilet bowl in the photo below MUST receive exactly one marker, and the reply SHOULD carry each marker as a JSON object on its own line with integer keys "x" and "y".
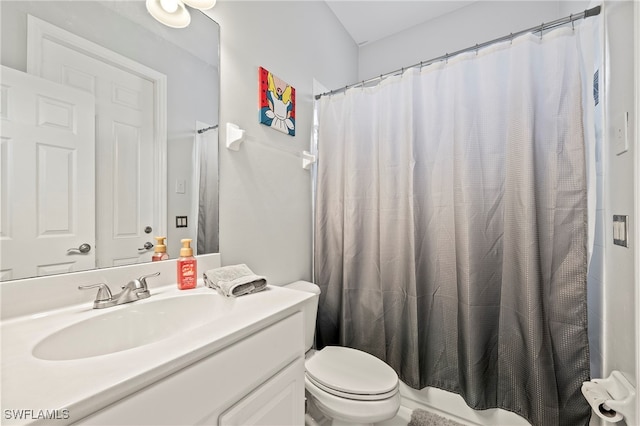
{"x": 349, "y": 386}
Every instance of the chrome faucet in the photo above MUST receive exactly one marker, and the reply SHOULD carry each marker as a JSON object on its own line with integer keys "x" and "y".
{"x": 134, "y": 290}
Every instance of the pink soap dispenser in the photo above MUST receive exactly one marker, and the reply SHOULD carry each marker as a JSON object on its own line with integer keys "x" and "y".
{"x": 187, "y": 267}
{"x": 160, "y": 252}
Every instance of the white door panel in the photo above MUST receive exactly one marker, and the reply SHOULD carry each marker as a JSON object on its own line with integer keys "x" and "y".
{"x": 48, "y": 177}
{"x": 126, "y": 149}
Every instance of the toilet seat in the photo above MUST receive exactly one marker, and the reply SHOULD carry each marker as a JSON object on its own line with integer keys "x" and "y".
{"x": 352, "y": 374}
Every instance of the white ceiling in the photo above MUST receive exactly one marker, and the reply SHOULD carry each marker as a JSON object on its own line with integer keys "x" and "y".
{"x": 371, "y": 20}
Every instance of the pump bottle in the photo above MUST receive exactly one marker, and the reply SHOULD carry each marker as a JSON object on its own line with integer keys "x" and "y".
{"x": 187, "y": 266}
{"x": 160, "y": 252}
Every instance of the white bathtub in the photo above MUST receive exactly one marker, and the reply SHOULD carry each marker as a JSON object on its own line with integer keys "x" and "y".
{"x": 452, "y": 406}
{"x": 437, "y": 401}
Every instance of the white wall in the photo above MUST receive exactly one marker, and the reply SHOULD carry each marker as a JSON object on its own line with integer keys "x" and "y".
{"x": 619, "y": 331}
{"x": 265, "y": 195}
{"x": 635, "y": 230}
{"x": 612, "y": 296}
{"x": 479, "y": 22}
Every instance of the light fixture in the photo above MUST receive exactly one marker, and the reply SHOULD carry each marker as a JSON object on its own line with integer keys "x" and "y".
{"x": 200, "y": 4}
{"x": 174, "y": 13}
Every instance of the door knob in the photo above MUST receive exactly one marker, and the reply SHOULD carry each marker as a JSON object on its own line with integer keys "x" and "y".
{"x": 147, "y": 246}
{"x": 83, "y": 248}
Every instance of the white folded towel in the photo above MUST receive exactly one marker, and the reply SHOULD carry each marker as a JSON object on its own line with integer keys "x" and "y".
{"x": 234, "y": 280}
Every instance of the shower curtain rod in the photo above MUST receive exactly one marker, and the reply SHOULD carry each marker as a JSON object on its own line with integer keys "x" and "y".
{"x": 539, "y": 28}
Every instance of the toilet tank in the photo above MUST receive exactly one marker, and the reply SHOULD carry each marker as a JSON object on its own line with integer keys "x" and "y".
{"x": 309, "y": 310}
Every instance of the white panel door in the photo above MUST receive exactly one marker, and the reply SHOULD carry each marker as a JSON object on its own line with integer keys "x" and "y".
{"x": 125, "y": 148}
{"x": 48, "y": 178}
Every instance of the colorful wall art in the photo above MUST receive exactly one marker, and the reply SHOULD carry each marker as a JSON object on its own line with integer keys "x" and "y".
{"x": 277, "y": 103}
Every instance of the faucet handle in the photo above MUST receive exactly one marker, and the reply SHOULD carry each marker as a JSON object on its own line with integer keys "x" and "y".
{"x": 104, "y": 293}
{"x": 143, "y": 279}
{"x": 140, "y": 283}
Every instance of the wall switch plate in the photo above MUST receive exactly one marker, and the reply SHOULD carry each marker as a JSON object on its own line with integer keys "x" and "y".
{"x": 622, "y": 134}
{"x": 181, "y": 186}
{"x": 620, "y": 230}
{"x": 181, "y": 221}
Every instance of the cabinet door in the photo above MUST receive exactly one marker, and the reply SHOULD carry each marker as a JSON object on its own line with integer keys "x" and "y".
{"x": 279, "y": 401}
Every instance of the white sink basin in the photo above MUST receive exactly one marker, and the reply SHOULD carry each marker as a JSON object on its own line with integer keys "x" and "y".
{"x": 130, "y": 326}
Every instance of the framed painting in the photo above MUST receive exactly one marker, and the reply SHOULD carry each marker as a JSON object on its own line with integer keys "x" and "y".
{"x": 277, "y": 102}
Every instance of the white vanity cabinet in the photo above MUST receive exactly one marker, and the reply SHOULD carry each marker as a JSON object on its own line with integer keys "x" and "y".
{"x": 258, "y": 380}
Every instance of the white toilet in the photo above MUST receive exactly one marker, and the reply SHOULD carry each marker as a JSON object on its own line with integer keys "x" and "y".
{"x": 348, "y": 386}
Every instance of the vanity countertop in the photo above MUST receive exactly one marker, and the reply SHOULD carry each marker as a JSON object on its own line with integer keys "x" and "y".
{"x": 69, "y": 390}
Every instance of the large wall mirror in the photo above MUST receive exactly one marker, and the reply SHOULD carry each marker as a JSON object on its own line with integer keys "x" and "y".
{"x": 108, "y": 136}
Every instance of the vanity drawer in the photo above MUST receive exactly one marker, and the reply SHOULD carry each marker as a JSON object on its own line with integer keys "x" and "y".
{"x": 200, "y": 393}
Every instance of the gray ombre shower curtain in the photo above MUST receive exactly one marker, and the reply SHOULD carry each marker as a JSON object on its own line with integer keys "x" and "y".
{"x": 451, "y": 226}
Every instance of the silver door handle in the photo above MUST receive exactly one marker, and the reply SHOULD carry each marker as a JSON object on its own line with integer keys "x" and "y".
{"x": 84, "y": 248}
{"x": 147, "y": 246}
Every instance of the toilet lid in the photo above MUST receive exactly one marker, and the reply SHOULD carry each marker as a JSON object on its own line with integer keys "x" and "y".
{"x": 351, "y": 373}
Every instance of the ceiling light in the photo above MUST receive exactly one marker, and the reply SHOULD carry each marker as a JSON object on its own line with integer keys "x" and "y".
{"x": 200, "y": 4}
{"x": 169, "y": 6}
{"x": 172, "y": 13}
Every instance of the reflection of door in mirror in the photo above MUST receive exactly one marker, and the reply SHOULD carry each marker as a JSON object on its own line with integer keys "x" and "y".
{"x": 48, "y": 176}
{"x": 128, "y": 109}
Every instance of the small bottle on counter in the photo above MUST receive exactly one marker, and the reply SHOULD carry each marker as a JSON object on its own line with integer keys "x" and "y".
{"x": 187, "y": 266}
{"x": 160, "y": 251}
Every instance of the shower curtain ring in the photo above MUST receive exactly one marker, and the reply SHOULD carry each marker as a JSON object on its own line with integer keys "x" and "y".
{"x": 511, "y": 39}
{"x": 541, "y": 30}
{"x": 573, "y": 26}
{"x": 446, "y": 58}
{"x": 476, "y": 49}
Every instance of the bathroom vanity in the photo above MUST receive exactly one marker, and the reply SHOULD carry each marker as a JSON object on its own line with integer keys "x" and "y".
{"x": 258, "y": 380}
{"x": 177, "y": 357}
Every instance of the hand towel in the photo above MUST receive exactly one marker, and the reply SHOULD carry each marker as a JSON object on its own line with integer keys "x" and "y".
{"x": 234, "y": 280}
